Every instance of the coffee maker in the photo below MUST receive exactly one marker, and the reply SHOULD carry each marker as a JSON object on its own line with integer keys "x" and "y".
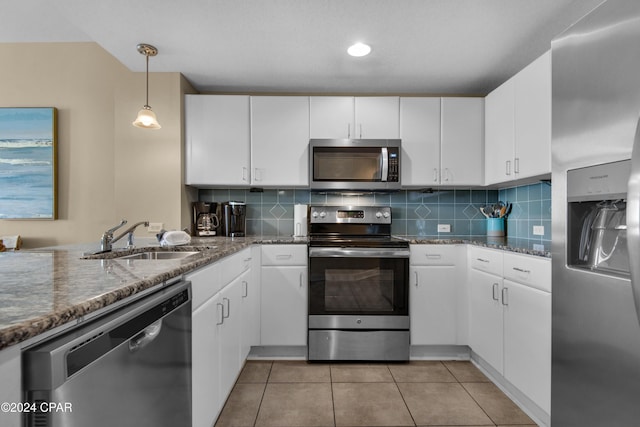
{"x": 204, "y": 219}
{"x": 233, "y": 218}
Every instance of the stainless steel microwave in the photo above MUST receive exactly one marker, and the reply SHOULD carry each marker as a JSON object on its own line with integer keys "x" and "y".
{"x": 354, "y": 164}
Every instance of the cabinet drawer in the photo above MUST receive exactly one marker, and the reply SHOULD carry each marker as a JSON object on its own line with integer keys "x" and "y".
{"x": 234, "y": 265}
{"x": 528, "y": 270}
{"x": 434, "y": 255}
{"x": 487, "y": 260}
{"x": 295, "y": 254}
{"x": 205, "y": 283}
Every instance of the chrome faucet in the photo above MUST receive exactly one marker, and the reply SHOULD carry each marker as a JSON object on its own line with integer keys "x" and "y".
{"x": 107, "y": 240}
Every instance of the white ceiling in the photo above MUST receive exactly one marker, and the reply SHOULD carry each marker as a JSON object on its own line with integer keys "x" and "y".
{"x": 465, "y": 47}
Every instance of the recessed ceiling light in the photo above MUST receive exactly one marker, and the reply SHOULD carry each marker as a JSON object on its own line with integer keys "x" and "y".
{"x": 359, "y": 49}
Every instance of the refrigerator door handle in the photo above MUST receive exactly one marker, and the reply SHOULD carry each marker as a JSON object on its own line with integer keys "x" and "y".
{"x": 633, "y": 220}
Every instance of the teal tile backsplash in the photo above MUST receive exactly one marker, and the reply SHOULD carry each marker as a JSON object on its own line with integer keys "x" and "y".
{"x": 414, "y": 213}
{"x": 531, "y": 206}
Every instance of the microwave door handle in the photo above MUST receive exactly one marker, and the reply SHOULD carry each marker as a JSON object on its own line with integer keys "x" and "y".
{"x": 385, "y": 164}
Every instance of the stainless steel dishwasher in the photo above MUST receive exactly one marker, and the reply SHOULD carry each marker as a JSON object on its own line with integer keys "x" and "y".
{"x": 131, "y": 367}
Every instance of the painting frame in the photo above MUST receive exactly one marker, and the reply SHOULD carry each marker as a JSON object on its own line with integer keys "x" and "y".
{"x": 28, "y": 163}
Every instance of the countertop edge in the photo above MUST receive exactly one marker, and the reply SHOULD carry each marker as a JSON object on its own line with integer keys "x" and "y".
{"x": 23, "y": 331}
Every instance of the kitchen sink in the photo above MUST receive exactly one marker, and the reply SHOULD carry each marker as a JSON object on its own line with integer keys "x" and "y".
{"x": 151, "y": 253}
{"x": 155, "y": 255}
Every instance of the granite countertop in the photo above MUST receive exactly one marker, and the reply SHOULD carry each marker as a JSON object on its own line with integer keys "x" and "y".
{"x": 49, "y": 289}
{"x": 509, "y": 244}
{"x": 44, "y": 289}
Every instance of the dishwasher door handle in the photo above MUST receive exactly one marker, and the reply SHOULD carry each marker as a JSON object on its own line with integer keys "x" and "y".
{"x": 145, "y": 337}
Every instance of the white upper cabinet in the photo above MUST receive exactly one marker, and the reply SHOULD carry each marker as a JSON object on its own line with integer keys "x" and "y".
{"x": 331, "y": 117}
{"x": 533, "y": 119}
{"x": 377, "y": 117}
{"x": 420, "y": 134}
{"x": 518, "y": 125}
{"x": 442, "y": 141}
{"x": 499, "y": 134}
{"x": 280, "y": 141}
{"x": 356, "y": 118}
{"x": 462, "y": 145}
{"x": 217, "y": 140}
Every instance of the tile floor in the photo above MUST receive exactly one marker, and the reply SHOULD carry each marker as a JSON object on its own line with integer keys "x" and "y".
{"x": 301, "y": 394}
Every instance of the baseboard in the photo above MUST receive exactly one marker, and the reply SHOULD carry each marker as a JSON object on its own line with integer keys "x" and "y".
{"x": 535, "y": 412}
{"x": 278, "y": 352}
{"x": 440, "y": 352}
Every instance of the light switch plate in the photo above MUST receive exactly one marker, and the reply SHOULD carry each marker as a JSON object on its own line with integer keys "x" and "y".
{"x": 154, "y": 227}
{"x": 444, "y": 228}
{"x": 538, "y": 230}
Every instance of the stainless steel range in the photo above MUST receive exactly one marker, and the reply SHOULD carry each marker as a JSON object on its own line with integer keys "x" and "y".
{"x": 358, "y": 285}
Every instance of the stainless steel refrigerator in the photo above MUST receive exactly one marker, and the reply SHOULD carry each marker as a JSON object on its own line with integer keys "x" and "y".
{"x": 596, "y": 217}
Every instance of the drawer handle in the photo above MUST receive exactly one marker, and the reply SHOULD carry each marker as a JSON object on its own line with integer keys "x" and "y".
{"x": 285, "y": 256}
{"x": 434, "y": 256}
{"x": 483, "y": 260}
{"x": 521, "y": 270}
{"x": 495, "y": 292}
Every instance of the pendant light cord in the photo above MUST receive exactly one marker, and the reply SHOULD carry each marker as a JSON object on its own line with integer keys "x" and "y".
{"x": 147, "y": 103}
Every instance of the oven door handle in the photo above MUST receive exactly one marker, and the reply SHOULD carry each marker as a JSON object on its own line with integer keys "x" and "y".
{"x": 358, "y": 253}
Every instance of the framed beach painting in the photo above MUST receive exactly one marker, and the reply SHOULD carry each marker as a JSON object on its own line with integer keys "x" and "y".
{"x": 28, "y": 163}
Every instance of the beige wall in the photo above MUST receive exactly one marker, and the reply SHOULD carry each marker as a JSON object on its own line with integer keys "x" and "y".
{"x": 107, "y": 169}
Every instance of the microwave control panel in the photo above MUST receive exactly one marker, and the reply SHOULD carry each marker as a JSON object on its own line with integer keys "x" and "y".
{"x": 394, "y": 162}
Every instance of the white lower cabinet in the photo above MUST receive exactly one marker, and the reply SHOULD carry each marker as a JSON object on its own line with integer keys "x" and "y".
{"x": 527, "y": 341}
{"x": 217, "y": 333}
{"x": 229, "y": 334}
{"x": 251, "y": 305}
{"x": 486, "y": 336}
{"x": 283, "y": 311}
{"x": 510, "y": 319}
{"x": 437, "y": 295}
{"x": 205, "y": 362}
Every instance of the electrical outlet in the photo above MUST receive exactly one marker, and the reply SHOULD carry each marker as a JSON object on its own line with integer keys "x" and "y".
{"x": 538, "y": 230}
{"x": 154, "y": 227}
{"x": 444, "y": 228}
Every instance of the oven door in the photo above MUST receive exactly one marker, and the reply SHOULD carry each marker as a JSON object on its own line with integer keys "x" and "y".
{"x": 364, "y": 282}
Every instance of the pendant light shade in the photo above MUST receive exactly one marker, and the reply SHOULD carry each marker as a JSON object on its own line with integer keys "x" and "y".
{"x": 146, "y": 117}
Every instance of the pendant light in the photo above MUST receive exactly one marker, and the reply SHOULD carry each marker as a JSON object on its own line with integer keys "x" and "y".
{"x": 146, "y": 117}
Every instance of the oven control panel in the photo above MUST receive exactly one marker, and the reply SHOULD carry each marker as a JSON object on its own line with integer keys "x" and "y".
{"x": 350, "y": 214}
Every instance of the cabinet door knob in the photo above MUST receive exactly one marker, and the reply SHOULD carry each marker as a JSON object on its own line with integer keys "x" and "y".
{"x": 416, "y": 273}
{"x": 505, "y": 296}
{"x": 508, "y": 167}
{"x": 495, "y": 291}
{"x": 516, "y": 165}
{"x": 435, "y": 174}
